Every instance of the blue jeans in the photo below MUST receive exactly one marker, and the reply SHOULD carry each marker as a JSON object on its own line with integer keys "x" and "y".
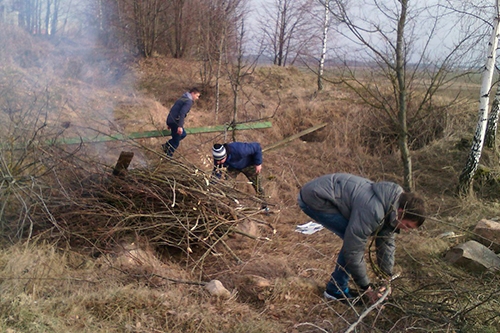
{"x": 336, "y": 223}
{"x": 175, "y": 141}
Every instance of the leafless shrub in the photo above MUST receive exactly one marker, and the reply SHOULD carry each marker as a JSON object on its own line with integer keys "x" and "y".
{"x": 380, "y": 134}
{"x": 29, "y": 128}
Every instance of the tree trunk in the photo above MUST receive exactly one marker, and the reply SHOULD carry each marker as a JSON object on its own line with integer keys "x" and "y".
{"x": 323, "y": 49}
{"x": 402, "y": 105}
{"x": 491, "y": 128}
{"x": 237, "y": 75}
{"x": 465, "y": 179}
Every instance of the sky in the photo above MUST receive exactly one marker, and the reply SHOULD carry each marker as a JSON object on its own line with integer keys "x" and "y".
{"x": 453, "y": 26}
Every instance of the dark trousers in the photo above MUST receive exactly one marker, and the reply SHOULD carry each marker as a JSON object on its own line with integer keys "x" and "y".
{"x": 175, "y": 141}
{"x": 253, "y": 177}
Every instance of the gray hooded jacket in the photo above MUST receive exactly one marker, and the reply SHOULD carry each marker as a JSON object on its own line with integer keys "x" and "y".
{"x": 371, "y": 209}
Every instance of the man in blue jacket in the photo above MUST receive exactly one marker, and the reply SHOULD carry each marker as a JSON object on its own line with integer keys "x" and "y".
{"x": 355, "y": 209}
{"x": 175, "y": 120}
{"x": 240, "y": 157}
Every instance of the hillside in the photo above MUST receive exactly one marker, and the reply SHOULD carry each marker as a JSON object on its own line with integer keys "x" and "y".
{"x": 49, "y": 283}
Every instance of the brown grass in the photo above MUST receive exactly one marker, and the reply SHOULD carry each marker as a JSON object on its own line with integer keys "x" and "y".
{"x": 276, "y": 286}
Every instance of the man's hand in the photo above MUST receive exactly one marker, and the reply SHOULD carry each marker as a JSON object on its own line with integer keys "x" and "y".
{"x": 179, "y": 130}
{"x": 374, "y": 295}
{"x": 258, "y": 168}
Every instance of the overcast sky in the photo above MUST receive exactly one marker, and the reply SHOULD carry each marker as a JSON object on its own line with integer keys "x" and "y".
{"x": 448, "y": 31}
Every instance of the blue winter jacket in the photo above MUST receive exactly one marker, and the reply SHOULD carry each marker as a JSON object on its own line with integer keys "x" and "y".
{"x": 179, "y": 110}
{"x": 241, "y": 155}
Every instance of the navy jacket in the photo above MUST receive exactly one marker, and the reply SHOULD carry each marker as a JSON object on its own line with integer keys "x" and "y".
{"x": 241, "y": 155}
{"x": 179, "y": 110}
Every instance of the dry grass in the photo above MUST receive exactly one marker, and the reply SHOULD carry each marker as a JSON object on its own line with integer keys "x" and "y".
{"x": 131, "y": 286}
{"x": 46, "y": 290}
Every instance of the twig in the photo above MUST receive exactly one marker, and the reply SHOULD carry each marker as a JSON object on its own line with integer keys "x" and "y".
{"x": 173, "y": 195}
{"x": 370, "y": 309}
{"x": 311, "y": 324}
{"x": 179, "y": 281}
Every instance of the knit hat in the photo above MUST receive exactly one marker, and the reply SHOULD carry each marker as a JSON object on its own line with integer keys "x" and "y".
{"x": 219, "y": 152}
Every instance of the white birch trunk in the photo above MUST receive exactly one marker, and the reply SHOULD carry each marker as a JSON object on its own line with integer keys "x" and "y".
{"x": 323, "y": 49}
{"x": 492, "y": 127}
{"x": 465, "y": 180}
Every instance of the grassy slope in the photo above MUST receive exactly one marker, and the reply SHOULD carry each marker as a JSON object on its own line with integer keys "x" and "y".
{"x": 45, "y": 288}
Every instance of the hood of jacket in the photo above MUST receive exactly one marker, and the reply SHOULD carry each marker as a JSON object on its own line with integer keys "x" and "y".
{"x": 187, "y": 94}
{"x": 388, "y": 193}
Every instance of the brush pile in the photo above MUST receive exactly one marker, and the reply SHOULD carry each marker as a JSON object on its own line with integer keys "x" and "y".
{"x": 172, "y": 205}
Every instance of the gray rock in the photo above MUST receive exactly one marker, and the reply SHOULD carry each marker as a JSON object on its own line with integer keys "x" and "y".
{"x": 216, "y": 288}
{"x": 473, "y": 256}
{"x": 488, "y": 233}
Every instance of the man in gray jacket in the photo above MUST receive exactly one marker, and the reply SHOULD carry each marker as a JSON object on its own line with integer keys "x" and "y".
{"x": 355, "y": 208}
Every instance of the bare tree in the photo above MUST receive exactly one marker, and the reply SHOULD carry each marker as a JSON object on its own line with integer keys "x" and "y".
{"x": 146, "y": 17}
{"x": 139, "y": 25}
{"x": 237, "y": 69}
{"x": 217, "y": 34}
{"x": 286, "y": 29}
{"x": 176, "y": 20}
{"x": 38, "y": 17}
{"x": 465, "y": 180}
{"x": 392, "y": 62}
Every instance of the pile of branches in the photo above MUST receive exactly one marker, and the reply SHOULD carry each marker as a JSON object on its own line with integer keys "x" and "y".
{"x": 171, "y": 206}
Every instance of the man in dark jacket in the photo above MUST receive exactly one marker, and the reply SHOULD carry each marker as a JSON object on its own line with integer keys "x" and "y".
{"x": 355, "y": 208}
{"x": 175, "y": 120}
{"x": 240, "y": 157}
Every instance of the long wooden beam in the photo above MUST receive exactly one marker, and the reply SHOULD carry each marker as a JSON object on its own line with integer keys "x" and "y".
{"x": 101, "y": 137}
{"x": 293, "y": 137}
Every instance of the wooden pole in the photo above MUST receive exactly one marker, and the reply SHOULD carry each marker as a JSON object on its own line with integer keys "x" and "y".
{"x": 293, "y": 137}
{"x": 103, "y": 137}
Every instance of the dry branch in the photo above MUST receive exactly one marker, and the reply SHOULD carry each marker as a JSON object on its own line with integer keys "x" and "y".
{"x": 171, "y": 206}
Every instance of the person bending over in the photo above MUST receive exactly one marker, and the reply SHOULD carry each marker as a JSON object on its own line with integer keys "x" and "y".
{"x": 244, "y": 157}
{"x": 355, "y": 209}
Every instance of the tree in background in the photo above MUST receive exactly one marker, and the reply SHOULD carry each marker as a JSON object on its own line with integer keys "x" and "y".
{"x": 286, "y": 29}
{"x": 38, "y": 17}
{"x": 146, "y": 27}
{"x": 237, "y": 68}
{"x": 326, "y": 26}
{"x": 465, "y": 180}
{"x": 178, "y": 22}
{"x": 218, "y": 35}
{"x": 195, "y": 29}
{"x": 394, "y": 65}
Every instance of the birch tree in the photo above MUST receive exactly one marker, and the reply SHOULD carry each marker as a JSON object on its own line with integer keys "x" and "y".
{"x": 492, "y": 127}
{"x": 465, "y": 179}
{"x": 326, "y": 26}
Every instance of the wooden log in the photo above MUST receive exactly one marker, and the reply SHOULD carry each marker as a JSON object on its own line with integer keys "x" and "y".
{"x": 123, "y": 163}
